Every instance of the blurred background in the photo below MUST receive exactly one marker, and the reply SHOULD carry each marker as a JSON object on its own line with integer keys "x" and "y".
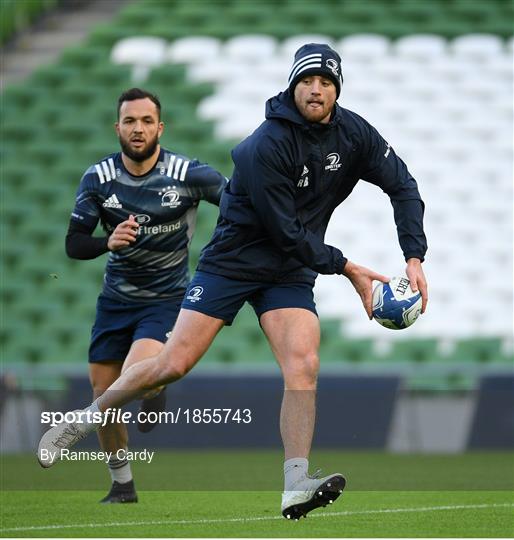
{"x": 434, "y": 77}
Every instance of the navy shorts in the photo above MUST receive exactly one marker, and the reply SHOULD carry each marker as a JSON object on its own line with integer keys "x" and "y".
{"x": 119, "y": 324}
{"x": 222, "y": 297}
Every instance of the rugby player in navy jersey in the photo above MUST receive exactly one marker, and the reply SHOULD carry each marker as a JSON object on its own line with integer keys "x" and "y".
{"x": 146, "y": 199}
{"x": 290, "y": 174}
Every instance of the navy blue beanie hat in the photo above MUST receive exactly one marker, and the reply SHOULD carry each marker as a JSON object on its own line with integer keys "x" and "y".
{"x": 316, "y": 59}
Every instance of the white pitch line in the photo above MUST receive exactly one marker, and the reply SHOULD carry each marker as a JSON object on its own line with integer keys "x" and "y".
{"x": 261, "y": 518}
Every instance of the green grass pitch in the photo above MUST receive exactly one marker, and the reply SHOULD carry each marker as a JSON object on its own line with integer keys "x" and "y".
{"x": 237, "y": 494}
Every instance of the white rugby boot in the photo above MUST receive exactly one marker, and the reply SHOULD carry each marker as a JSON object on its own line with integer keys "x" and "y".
{"x": 58, "y": 438}
{"x": 310, "y": 492}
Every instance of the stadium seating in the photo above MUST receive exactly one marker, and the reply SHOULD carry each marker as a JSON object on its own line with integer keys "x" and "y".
{"x": 17, "y": 16}
{"x": 434, "y": 77}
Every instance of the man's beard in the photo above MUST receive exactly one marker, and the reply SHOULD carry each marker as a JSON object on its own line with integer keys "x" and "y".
{"x": 140, "y": 155}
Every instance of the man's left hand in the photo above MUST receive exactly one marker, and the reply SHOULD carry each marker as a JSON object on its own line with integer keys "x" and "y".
{"x": 417, "y": 280}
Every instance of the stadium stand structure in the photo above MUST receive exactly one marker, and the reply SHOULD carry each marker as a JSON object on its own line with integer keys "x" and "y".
{"x": 19, "y": 15}
{"x": 434, "y": 77}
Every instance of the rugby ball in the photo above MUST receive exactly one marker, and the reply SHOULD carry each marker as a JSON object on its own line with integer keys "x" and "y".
{"x": 395, "y": 304}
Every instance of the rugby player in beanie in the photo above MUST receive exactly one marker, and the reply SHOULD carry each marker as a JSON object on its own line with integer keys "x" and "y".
{"x": 268, "y": 247}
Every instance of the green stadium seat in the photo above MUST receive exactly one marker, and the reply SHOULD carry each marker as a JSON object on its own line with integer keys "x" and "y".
{"x": 104, "y": 115}
{"x": 18, "y": 15}
{"x": 190, "y": 129}
{"x": 13, "y": 330}
{"x": 20, "y": 132}
{"x": 35, "y": 308}
{"x": 83, "y": 57}
{"x": 229, "y": 349}
{"x": 108, "y": 34}
{"x": 13, "y": 255}
{"x": 69, "y": 172}
{"x": 66, "y": 330}
{"x": 281, "y": 28}
{"x": 18, "y": 351}
{"x": 112, "y": 78}
{"x": 479, "y": 351}
{"x": 444, "y": 26}
{"x": 192, "y": 93}
{"x": 45, "y": 192}
{"x": 167, "y": 31}
{"x": 167, "y": 75}
{"x": 139, "y": 15}
{"x": 75, "y": 131}
{"x": 501, "y": 26}
{"x": 173, "y": 114}
{"x": 13, "y": 213}
{"x": 20, "y": 97}
{"x": 92, "y": 271}
{"x": 47, "y": 113}
{"x": 363, "y": 12}
{"x": 94, "y": 151}
{"x": 252, "y": 335}
{"x": 415, "y": 351}
{"x": 391, "y": 27}
{"x": 218, "y": 28}
{"x": 195, "y": 14}
{"x": 43, "y": 236}
{"x": 44, "y": 153}
{"x": 252, "y": 14}
{"x": 306, "y": 13}
{"x": 330, "y": 329}
{"x": 53, "y": 76}
{"x": 15, "y": 177}
{"x": 12, "y": 288}
{"x": 80, "y": 94}
{"x": 473, "y": 12}
{"x": 216, "y": 154}
{"x": 347, "y": 351}
{"x": 417, "y": 12}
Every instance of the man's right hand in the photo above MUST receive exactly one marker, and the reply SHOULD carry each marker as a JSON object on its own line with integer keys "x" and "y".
{"x": 124, "y": 234}
{"x": 362, "y": 279}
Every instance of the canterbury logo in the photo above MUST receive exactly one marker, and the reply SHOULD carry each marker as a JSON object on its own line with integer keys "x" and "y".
{"x": 112, "y": 202}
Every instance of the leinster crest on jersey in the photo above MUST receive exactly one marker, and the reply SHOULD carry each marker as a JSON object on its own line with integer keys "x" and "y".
{"x": 170, "y": 197}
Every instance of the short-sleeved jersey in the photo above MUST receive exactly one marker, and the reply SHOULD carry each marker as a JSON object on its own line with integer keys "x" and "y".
{"x": 164, "y": 202}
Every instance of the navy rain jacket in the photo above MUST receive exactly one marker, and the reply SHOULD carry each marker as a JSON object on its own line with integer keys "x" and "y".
{"x": 289, "y": 176}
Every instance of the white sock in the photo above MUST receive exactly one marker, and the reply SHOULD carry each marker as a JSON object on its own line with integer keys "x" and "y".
{"x": 93, "y": 420}
{"x": 294, "y": 469}
{"x": 120, "y": 470}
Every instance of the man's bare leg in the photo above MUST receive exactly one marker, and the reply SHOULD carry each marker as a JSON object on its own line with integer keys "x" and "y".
{"x": 114, "y": 436}
{"x": 153, "y": 401}
{"x": 191, "y": 337}
{"x": 294, "y": 336}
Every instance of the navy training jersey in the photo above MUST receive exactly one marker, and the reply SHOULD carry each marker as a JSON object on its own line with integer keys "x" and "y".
{"x": 164, "y": 202}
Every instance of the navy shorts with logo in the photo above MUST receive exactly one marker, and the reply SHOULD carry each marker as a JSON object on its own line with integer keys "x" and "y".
{"x": 222, "y": 297}
{"x": 119, "y": 324}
